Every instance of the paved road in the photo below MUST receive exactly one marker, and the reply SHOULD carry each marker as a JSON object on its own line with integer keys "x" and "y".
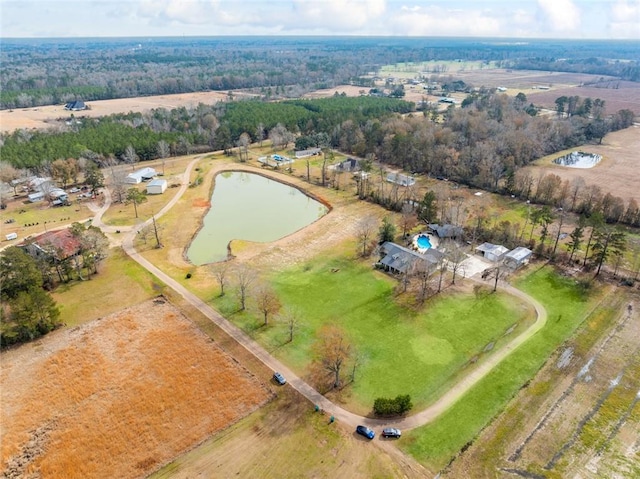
{"x": 423, "y": 417}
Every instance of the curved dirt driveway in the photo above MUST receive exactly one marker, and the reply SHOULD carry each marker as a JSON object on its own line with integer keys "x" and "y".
{"x": 423, "y": 417}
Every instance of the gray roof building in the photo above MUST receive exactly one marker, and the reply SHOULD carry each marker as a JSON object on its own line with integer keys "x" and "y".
{"x": 399, "y": 259}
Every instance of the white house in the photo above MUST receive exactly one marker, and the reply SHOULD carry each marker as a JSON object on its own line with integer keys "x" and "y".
{"x": 139, "y": 176}
{"x": 156, "y": 187}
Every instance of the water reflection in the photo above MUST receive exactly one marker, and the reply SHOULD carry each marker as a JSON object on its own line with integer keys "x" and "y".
{"x": 578, "y": 159}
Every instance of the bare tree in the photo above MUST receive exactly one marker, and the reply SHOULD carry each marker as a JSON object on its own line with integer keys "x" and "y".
{"x": 409, "y": 219}
{"x": 260, "y": 133}
{"x": 130, "y": 157}
{"x": 268, "y": 302}
{"x": 291, "y": 320}
{"x": 243, "y": 146}
{"x": 245, "y": 278}
{"x": 163, "y": 152}
{"x": 333, "y": 351}
{"x": 455, "y": 256}
{"x": 118, "y": 185}
{"x": 221, "y": 272}
{"x": 9, "y": 175}
{"x": 422, "y": 270}
{"x": 366, "y": 229}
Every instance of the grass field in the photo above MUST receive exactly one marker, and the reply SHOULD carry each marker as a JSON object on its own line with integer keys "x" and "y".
{"x": 404, "y": 351}
{"x": 84, "y": 301}
{"x": 436, "y": 443}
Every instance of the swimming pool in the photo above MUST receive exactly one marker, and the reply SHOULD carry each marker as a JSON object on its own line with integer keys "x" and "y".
{"x": 422, "y": 243}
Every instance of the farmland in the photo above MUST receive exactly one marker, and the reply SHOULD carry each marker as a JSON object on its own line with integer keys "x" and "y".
{"x": 124, "y": 394}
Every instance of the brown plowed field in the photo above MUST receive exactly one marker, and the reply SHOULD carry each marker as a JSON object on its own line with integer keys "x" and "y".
{"x": 119, "y": 396}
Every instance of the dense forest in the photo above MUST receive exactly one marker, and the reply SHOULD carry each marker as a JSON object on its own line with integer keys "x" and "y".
{"x": 52, "y": 71}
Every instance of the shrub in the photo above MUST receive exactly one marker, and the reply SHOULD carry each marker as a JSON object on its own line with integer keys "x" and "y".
{"x": 392, "y": 407}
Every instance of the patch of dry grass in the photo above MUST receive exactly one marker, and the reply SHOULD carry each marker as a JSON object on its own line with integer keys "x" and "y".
{"x": 119, "y": 397}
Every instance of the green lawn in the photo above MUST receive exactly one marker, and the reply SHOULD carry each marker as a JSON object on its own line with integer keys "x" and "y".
{"x": 436, "y": 443}
{"x": 405, "y": 352}
{"x": 120, "y": 283}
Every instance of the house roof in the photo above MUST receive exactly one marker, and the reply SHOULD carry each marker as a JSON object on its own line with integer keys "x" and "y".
{"x": 446, "y": 231}
{"x": 157, "y": 182}
{"x": 75, "y": 105}
{"x": 143, "y": 173}
{"x": 519, "y": 254}
{"x": 401, "y": 259}
{"x": 60, "y": 244}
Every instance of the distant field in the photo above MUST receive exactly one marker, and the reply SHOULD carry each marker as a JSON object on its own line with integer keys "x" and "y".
{"x": 118, "y": 397}
{"x": 617, "y": 173}
{"x": 53, "y": 115}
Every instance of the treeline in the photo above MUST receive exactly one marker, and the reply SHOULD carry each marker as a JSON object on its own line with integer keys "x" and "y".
{"x": 204, "y": 128}
{"x": 51, "y": 71}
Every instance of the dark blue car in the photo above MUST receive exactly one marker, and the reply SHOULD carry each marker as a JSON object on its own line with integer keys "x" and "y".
{"x": 366, "y": 432}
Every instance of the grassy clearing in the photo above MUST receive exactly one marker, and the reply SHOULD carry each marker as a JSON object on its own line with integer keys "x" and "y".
{"x": 438, "y": 442}
{"x": 410, "y": 69}
{"x": 84, "y": 301}
{"x": 283, "y": 429}
{"x": 405, "y": 352}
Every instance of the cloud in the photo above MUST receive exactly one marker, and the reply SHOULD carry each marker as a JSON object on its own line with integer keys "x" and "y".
{"x": 561, "y": 15}
{"x": 190, "y": 12}
{"x": 338, "y": 15}
{"x": 439, "y": 21}
{"x": 625, "y": 19}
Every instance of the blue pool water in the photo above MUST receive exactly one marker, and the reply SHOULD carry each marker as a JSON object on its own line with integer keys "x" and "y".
{"x": 423, "y": 242}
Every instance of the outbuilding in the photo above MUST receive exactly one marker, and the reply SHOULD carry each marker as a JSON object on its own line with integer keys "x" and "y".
{"x": 138, "y": 176}
{"x": 37, "y": 196}
{"x": 156, "y": 187}
{"x": 493, "y": 252}
{"x": 518, "y": 257}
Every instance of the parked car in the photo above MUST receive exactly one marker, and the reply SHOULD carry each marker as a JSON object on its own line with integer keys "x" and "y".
{"x": 279, "y": 379}
{"x": 391, "y": 432}
{"x": 366, "y": 432}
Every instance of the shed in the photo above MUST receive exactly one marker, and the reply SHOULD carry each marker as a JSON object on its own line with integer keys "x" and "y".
{"x": 309, "y": 152}
{"x": 518, "y": 257}
{"x": 400, "y": 179}
{"x": 493, "y": 252}
{"x": 141, "y": 175}
{"x": 37, "y": 196}
{"x": 156, "y": 187}
{"x": 11, "y": 236}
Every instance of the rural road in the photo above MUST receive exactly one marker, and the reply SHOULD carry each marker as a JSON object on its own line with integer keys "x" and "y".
{"x": 423, "y": 417}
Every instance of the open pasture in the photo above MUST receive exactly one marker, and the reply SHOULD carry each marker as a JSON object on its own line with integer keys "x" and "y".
{"x": 118, "y": 397}
{"x": 54, "y": 115}
{"x": 617, "y": 173}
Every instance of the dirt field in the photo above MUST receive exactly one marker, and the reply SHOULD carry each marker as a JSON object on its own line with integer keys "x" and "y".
{"x": 617, "y": 173}
{"x": 580, "y": 417}
{"x": 118, "y": 397}
{"x": 50, "y": 116}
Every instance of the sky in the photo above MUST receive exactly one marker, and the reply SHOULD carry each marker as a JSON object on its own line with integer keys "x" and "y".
{"x": 575, "y": 19}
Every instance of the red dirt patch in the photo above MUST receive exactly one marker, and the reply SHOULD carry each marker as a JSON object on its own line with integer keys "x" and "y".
{"x": 118, "y": 397}
{"x": 201, "y": 203}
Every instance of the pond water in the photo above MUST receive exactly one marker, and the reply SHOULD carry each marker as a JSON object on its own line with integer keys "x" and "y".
{"x": 578, "y": 159}
{"x": 250, "y": 207}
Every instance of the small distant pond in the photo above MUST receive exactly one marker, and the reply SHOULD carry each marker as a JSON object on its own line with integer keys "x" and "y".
{"x": 578, "y": 159}
{"x": 250, "y": 207}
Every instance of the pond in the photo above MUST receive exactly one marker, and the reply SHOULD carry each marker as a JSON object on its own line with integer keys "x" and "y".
{"x": 578, "y": 159}
{"x": 250, "y": 207}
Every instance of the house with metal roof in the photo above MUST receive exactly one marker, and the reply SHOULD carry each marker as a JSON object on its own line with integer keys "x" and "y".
{"x": 77, "y": 105}
{"x": 400, "y": 179}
